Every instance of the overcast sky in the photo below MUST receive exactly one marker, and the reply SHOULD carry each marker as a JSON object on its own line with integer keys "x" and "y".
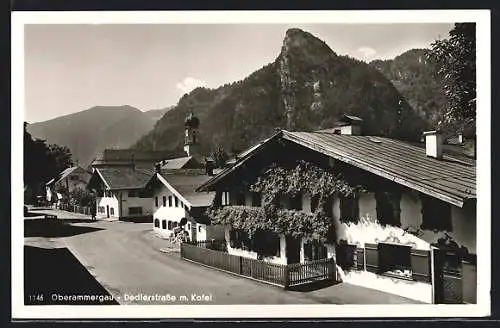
{"x": 70, "y": 68}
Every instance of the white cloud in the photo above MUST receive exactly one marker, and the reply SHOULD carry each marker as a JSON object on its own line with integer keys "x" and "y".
{"x": 190, "y": 83}
{"x": 367, "y": 52}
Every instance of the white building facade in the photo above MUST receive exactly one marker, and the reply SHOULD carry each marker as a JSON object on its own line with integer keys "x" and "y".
{"x": 175, "y": 199}
{"x": 120, "y": 193}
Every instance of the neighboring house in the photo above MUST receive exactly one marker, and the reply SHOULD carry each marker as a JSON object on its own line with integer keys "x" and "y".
{"x": 173, "y": 188}
{"x": 175, "y": 198}
{"x": 129, "y": 157}
{"x": 412, "y": 197}
{"x": 69, "y": 179}
{"x": 120, "y": 193}
{"x": 188, "y": 162}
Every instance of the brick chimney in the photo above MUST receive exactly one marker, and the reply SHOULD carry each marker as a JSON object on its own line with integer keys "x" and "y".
{"x": 433, "y": 144}
{"x": 209, "y": 166}
{"x": 349, "y": 125}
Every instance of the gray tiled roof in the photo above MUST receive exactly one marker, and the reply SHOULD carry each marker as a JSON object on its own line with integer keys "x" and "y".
{"x": 180, "y": 163}
{"x": 185, "y": 183}
{"x": 125, "y": 177}
{"x": 67, "y": 172}
{"x": 448, "y": 179}
{"x": 399, "y": 161}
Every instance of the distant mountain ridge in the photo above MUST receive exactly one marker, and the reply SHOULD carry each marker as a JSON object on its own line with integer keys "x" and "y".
{"x": 156, "y": 114}
{"x": 89, "y": 132}
{"x": 307, "y": 87}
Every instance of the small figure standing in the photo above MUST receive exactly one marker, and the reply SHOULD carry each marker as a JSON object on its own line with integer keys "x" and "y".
{"x": 93, "y": 211}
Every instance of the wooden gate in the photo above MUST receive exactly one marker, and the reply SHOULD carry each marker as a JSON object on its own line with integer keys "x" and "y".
{"x": 447, "y": 276}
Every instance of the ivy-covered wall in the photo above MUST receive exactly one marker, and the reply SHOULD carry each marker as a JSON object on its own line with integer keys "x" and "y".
{"x": 278, "y": 181}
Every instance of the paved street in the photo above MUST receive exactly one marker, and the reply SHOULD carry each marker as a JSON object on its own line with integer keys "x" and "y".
{"x": 127, "y": 259}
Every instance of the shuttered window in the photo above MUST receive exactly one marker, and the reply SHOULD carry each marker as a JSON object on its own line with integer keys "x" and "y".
{"x": 383, "y": 259}
{"x": 349, "y": 209}
{"x": 296, "y": 202}
{"x": 240, "y": 239}
{"x": 266, "y": 243}
{"x": 388, "y": 208}
{"x": 436, "y": 214}
{"x": 394, "y": 259}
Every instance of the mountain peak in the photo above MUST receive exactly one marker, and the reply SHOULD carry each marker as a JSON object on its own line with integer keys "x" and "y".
{"x": 114, "y": 107}
{"x": 305, "y": 89}
{"x": 297, "y": 39}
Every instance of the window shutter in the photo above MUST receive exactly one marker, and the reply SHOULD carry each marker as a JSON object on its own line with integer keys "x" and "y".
{"x": 296, "y": 202}
{"x": 246, "y": 242}
{"x": 314, "y": 202}
{"x": 360, "y": 259}
{"x": 421, "y": 265}
{"x": 232, "y": 238}
{"x": 371, "y": 256}
{"x": 278, "y": 245}
{"x": 322, "y": 252}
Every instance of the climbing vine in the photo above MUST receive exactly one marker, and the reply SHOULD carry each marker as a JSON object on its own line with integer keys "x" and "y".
{"x": 304, "y": 178}
{"x": 276, "y": 182}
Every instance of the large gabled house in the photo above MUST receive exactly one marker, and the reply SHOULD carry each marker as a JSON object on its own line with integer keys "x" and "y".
{"x": 412, "y": 201}
{"x": 120, "y": 193}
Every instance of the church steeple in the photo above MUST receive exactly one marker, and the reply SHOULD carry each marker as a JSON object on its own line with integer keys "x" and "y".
{"x": 191, "y": 124}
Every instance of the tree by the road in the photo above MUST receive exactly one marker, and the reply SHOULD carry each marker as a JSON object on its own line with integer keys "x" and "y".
{"x": 81, "y": 197}
{"x": 41, "y": 163}
{"x": 456, "y": 62}
{"x": 59, "y": 157}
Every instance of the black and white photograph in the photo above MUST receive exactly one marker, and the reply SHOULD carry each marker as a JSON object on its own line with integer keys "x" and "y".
{"x": 251, "y": 164}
